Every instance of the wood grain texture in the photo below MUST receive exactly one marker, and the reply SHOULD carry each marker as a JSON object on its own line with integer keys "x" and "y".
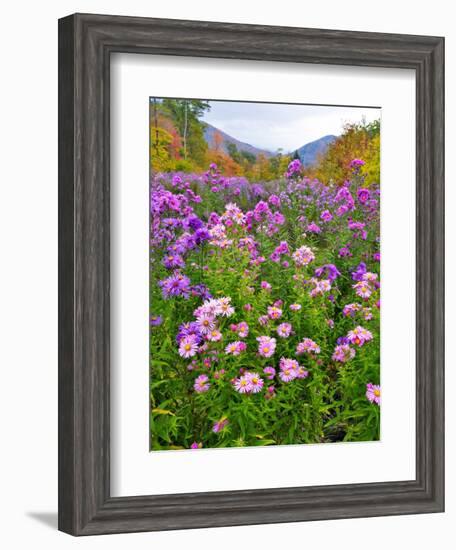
{"x": 85, "y": 45}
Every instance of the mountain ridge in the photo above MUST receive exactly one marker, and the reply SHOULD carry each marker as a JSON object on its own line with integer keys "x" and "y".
{"x": 211, "y": 131}
{"x": 308, "y": 153}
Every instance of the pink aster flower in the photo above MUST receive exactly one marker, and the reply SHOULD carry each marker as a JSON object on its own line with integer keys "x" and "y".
{"x": 274, "y": 312}
{"x": 369, "y": 276}
{"x": 303, "y": 256}
{"x": 225, "y": 308}
{"x": 350, "y": 310}
{"x": 320, "y": 287}
{"x": 359, "y": 336}
{"x": 367, "y": 313}
{"x": 269, "y": 372}
{"x": 214, "y": 336}
{"x": 235, "y": 348}
{"x": 307, "y": 346}
{"x": 263, "y": 320}
{"x": 209, "y": 308}
{"x": 206, "y": 323}
{"x": 188, "y": 346}
{"x": 288, "y": 369}
{"x": 373, "y": 393}
{"x": 301, "y": 372}
{"x": 201, "y": 384}
{"x": 265, "y": 286}
{"x": 363, "y": 289}
{"x": 343, "y": 353}
{"x": 242, "y": 384}
{"x": 295, "y": 307}
{"x": 266, "y": 346}
{"x": 218, "y": 426}
{"x": 256, "y": 382}
{"x": 284, "y": 330}
{"x": 196, "y": 445}
{"x": 243, "y": 329}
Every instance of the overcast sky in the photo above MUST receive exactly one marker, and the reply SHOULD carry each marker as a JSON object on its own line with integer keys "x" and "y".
{"x": 272, "y": 126}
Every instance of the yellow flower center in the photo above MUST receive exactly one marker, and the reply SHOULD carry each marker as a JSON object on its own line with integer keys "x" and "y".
{"x": 266, "y": 350}
{"x": 187, "y": 347}
{"x": 377, "y": 393}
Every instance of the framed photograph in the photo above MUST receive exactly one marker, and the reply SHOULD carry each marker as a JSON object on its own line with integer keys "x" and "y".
{"x": 251, "y": 274}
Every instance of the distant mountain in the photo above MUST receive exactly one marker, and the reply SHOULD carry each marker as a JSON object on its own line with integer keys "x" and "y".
{"x": 309, "y": 153}
{"x": 209, "y": 135}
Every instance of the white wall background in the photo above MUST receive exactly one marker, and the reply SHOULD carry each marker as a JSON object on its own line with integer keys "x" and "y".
{"x": 28, "y": 273}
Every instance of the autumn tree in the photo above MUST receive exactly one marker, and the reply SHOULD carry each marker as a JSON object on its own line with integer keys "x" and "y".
{"x": 357, "y": 141}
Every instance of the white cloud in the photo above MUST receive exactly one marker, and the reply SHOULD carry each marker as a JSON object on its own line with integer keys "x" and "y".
{"x": 272, "y": 125}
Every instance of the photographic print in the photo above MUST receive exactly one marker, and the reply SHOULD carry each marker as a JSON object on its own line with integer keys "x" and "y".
{"x": 264, "y": 274}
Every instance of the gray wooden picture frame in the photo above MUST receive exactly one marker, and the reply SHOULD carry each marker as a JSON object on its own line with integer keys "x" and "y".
{"x": 85, "y": 45}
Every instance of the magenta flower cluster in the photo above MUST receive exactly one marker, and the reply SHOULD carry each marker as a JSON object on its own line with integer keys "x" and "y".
{"x": 261, "y": 292}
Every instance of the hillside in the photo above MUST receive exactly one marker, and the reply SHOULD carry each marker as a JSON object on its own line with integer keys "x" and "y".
{"x": 309, "y": 153}
{"x": 211, "y": 131}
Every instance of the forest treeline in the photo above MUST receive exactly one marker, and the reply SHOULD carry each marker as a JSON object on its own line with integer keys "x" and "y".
{"x": 177, "y": 143}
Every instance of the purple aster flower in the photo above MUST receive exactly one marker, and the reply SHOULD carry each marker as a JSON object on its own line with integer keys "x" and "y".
{"x": 201, "y": 235}
{"x": 358, "y": 273}
{"x": 326, "y": 216}
{"x": 329, "y": 270}
{"x": 342, "y": 340}
{"x": 294, "y": 168}
{"x": 189, "y": 329}
{"x": 171, "y": 261}
{"x": 175, "y": 285}
{"x": 363, "y": 195}
{"x": 156, "y": 320}
{"x": 201, "y": 290}
{"x": 194, "y": 222}
{"x": 274, "y": 200}
{"x": 313, "y": 228}
{"x": 344, "y": 252}
{"x": 356, "y": 163}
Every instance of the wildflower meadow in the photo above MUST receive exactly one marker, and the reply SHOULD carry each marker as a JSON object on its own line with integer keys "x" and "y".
{"x": 264, "y": 294}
